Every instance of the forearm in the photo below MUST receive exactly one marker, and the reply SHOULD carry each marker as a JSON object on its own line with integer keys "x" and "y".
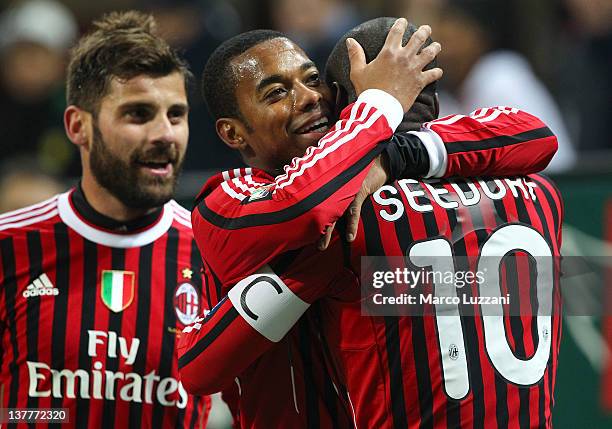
{"x": 257, "y": 313}
{"x": 488, "y": 142}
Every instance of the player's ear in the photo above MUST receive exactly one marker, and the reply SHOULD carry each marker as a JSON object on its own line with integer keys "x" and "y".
{"x": 233, "y": 132}
{"x": 340, "y": 97}
{"x": 76, "y": 124}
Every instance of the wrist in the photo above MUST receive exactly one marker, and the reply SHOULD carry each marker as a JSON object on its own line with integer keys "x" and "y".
{"x": 387, "y": 104}
{"x": 384, "y": 162}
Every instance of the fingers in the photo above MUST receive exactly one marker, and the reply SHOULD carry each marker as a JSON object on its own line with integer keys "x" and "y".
{"x": 396, "y": 34}
{"x": 418, "y": 39}
{"x": 352, "y": 216}
{"x": 432, "y": 75}
{"x": 326, "y": 238}
{"x": 430, "y": 52}
{"x": 357, "y": 58}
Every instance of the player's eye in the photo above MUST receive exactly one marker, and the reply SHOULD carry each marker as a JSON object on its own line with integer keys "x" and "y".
{"x": 139, "y": 114}
{"x": 313, "y": 80}
{"x": 177, "y": 114}
{"x": 275, "y": 94}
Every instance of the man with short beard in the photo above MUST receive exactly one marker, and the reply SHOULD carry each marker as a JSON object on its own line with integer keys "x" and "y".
{"x": 96, "y": 282}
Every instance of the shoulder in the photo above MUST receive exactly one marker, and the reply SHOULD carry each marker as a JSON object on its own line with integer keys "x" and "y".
{"x": 35, "y": 217}
{"x": 181, "y": 217}
{"x": 227, "y": 194}
{"x": 548, "y": 188}
{"x": 234, "y": 185}
{"x": 547, "y": 183}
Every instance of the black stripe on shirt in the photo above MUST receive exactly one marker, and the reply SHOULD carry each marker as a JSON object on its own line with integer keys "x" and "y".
{"x": 142, "y": 322}
{"x": 114, "y": 325}
{"x": 196, "y": 267}
{"x": 194, "y": 413}
{"x": 524, "y": 415}
{"x": 396, "y": 380}
{"x": 497, "y": 141}
{"x": 10, "y": 290}
{"x": 33, "y": 304}
{"x": 453, "y": 407}
{"x": 296, "y": 210}
{"x": 419, "y": 340}
{"x": 501, "y": 388}
{"x": 60, "y": 310}
{"x": 470, "y": 334}
{"x": 88, "y": 309}
{"x": 209, "y": 338}
{"x": 554, "y": 201}
{"x": 542, "y": 405}
{"x": 167, "y": 346}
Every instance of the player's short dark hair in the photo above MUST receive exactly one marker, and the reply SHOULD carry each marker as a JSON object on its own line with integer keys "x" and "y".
{"x": 121, "y": 45}
{"x": 371, "y": 35}
{"x": 219, "y": 79}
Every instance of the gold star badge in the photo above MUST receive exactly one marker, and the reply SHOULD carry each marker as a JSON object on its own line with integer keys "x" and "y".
{"x": 187, "y": 273}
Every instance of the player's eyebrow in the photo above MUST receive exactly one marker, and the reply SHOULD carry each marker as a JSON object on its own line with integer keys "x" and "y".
{"x": 148, "y": 105}
{"x": 135, "y": 105}
{"x": 277, "y": 78}
{"x": 184, "y": 107}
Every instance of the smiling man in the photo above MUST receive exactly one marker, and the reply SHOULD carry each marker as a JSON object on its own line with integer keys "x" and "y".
{"x": 285, "y": 126}
{"x": 137, "y": 160}
{"x": 248, "y": 218}
{"x": 96, "y": 282}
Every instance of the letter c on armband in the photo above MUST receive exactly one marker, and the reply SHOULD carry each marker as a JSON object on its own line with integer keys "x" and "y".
{"x": 245, "y": 291}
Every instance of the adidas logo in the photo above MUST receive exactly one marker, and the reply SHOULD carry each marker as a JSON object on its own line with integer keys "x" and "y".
{"x": 40, "y": 287}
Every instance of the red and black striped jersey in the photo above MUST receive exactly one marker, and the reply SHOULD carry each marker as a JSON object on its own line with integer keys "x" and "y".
{"x": 465, "y": 368}
{"x": 305, "y": 196}
{"x": 89, "y": 315}
{"x": 241, "y": 222}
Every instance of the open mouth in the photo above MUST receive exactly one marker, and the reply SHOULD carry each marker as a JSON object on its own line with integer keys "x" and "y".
{"x": 319, "y": 126}
{"x": 158, "y": 168}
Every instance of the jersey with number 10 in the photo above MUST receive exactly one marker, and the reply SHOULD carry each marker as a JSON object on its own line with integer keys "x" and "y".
{"x": 246, "y": 219}
{"x": 462, "y": 367}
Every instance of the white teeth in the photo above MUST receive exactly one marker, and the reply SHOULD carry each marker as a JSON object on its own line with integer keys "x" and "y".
{"x": 314, "y": 125}
{"x": 319, "y": 122}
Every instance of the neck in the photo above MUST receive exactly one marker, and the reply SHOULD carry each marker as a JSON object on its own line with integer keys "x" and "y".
{"x": 106, "y": 203}
{"x": 253, "y": 162}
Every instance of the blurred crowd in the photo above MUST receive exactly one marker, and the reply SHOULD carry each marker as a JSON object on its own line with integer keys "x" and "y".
{"x": 552, "y": 58}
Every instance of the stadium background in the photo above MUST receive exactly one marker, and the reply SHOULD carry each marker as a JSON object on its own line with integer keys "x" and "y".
{"x": 555, "y": 54}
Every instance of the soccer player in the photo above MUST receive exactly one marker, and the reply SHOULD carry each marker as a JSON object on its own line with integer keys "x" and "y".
{"x": 97, "y": 283}
{"x": 226, "y": 339}
{"x": 290, "y": 127}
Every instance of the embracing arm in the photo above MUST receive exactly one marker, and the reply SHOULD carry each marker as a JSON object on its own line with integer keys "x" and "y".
{"x": 498, "y": 141}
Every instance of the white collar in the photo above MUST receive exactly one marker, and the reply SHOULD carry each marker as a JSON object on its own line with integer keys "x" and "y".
{"x": 147, "y": 236}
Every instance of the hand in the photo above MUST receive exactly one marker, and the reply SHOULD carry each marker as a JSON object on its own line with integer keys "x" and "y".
{"x": 376, "y": 177}
{"x": 397, "y": 69}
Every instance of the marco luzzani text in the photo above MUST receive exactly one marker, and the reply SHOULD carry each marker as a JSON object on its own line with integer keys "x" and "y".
{"x": 408, "y": 279}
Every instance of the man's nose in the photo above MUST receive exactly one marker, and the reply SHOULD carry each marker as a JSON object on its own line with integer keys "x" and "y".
{"x": 306, "y": 98}
{"x": 162, "y": 130}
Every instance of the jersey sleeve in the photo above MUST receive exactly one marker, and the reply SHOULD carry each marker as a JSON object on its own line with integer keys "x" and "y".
{"x": 500, "y": 141}
{"x": 256, "y": 314}
{"x": 240, "y": 229}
